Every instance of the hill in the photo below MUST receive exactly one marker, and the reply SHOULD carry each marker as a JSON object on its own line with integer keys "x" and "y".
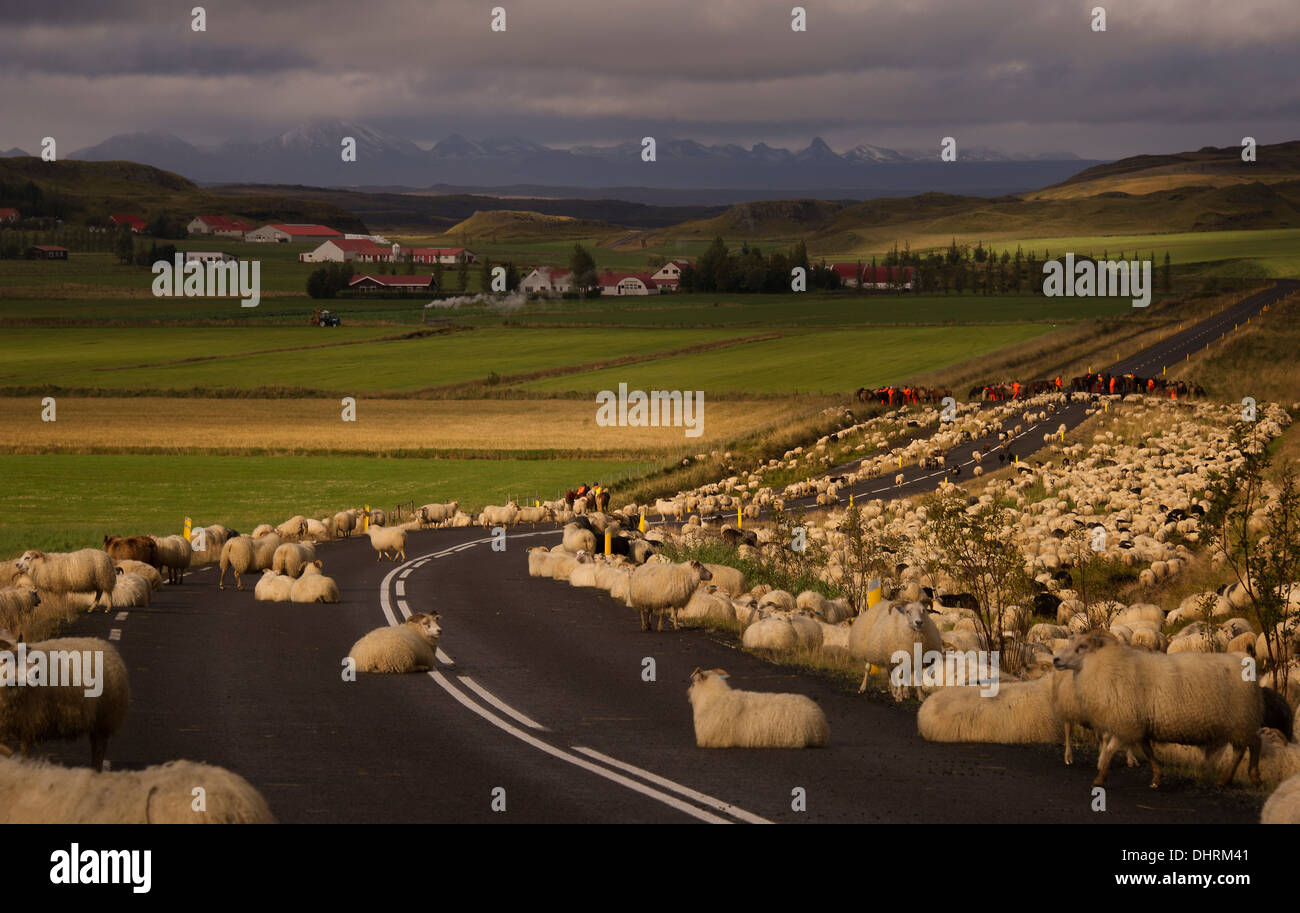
{"x": 520, "y": 225}
{"x": 82, "y": 189}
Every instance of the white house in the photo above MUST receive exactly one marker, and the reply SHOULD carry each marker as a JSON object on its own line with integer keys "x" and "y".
{"x": 208, "y": 256}
{"x": 444, "y": 255}
{"x": 627, "y": 284}
{"x": 292, "y": 233}
{"x": 670, "y": 273}
{"x": 547, "y": 280}
{"x": 218, "y": 225}
{"x": 347, "y": 250}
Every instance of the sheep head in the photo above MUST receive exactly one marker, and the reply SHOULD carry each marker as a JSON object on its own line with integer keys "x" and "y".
{"x": 24, "y": 563}
{"x": 704, "y": 572}
{"x": 914, "y": 612}
{"x": 1080, "y": 646}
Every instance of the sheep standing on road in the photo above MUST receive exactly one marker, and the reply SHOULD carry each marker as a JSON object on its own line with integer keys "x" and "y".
{"x": 385, "y": 539}
{"x": 888, "y": 628}
{"x": 290, "y": 558}
{"x": 664, "y": 587}
{"x": 1137, "y": 697}
{"x": 85, "y": 571}
{"x": 408, "y": 647}
{"x": 752, "y": 719}
{"x": 40, "y": 711}
{"x": 34, "y": 792}
{"x": 175, "y": 554}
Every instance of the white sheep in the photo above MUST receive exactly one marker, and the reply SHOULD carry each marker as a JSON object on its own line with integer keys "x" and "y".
{"x": 409, "y": 647}
{"x": 384, "y": 540}
{"x": 273, "y": 587}
{"x": 40, "y": 710}
{"x": 88, "y": 570}
{"x": 290, "y": 558}
{"x": 831, "y": 611}
{"x": 312, "y": 586}
{"x": 17, "y": 603}
{"x": 578, "y": 539}
{"x": 539, "y": 561}
{"x": 728, "y": 579}
{"x": 707, "y": 605}
{"x": 752, "y": 719}
{"x": 293, "y": 529}
{"x": 131, "y": 590}
{"x": 175, "y": 554}
{"x": 1283, "y": 806}
{"x": 888, "y": 628}
{"x": 147, "y": 571}
{"x": 1020, "y": 713}
{"x": 35, "y": 792}
{"x": 240, "y": 555}
{"x": 664, "y": 587}
{"x": 1136, "y": 697}
{"x": 774, "y": 632}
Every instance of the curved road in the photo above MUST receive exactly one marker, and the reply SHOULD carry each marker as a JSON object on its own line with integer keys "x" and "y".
{"x": 541, "y": 699}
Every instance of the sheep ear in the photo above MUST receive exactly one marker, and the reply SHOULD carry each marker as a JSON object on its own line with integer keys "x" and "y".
{"x": 697, "y": 675}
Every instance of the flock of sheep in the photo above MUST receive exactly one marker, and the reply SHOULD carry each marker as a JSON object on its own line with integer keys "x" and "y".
{"x": 1167, "y": 686}
{"x": 125, "y": 573}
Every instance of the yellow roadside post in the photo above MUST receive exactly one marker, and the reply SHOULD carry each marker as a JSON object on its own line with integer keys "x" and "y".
{"x": 641, "y": 526}
{"x": 609, "y": 542}
{"x": 189, "y": 525}
{"x": 365, "y": 519}
{"x": 873, "y": 591}
{"x": 740, "y": 521}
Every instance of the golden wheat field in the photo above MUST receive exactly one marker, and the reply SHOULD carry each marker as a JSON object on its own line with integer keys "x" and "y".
{"x": 141, "y": 424}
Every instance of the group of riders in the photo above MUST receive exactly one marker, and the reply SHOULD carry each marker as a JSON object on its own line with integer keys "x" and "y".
{"x": 1103, "y": 383}
{"x": 901, "y": 396}
{"x": 597, "y": 496}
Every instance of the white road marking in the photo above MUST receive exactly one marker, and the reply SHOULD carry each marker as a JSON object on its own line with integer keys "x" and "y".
{"x": 444, "y": 658}
{"x": 121, "y": 616}
{"x": 500, "y": 704}
{"x": 400, "y": 587}
{"x": 386, "y": 605}
{"x": 702, "y": 798}
{"x": 551, "y": 750}
{"x": 115, "y": 634}
{"x": 406, "y": 610}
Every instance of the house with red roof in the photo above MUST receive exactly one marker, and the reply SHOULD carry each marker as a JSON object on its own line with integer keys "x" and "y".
{"x": 291, "y": 233}
{"x": 626, "y": 284}
{"x": 883, "y": 279}
{"x": 669, "y": 275}
{"x": 135, "y": 223}
{"x": 218, "y": 225}
{"x": 363, "y": 282}
{"x": 348, "y": 250}
{"x": 47, "y": 252}
{"x": 9, "y": 215}
{"x": 543, "y": 280}
{"x": 444, "y": 255}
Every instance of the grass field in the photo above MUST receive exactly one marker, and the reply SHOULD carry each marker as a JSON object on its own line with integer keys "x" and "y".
{"x": 153, "y": 359}
{"x": 819, "y": 362}
{"x": 65, "y": 501}
{"x": 564, "y": 428}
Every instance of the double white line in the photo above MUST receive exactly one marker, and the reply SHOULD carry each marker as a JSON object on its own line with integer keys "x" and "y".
{"x": 585, "y": 758}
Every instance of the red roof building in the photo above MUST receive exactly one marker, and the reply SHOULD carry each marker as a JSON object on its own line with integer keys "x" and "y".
{"x": 9, "y": 215}
{"x": 218, "y": 225}
{"x": 885, "y": 277}
{"x": 365, "y": 282}
{"x": 445, "y": 255}
{"x": 135, "y": 223}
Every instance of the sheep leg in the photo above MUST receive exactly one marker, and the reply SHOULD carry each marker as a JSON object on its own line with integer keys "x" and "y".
{"x": 221, "y": 581}
{"x": 645, "y": 621}
{"x": 1069, "y": 755}
{"x": 1237, "y": 752}
{"x": 676, "y": 626}
{"x": 1151, "y": 757}
{"x": 866, "y": 674}
{"x": 402, "y": 557}
{"x": 1103, "y": 762}
{"x": 239, "y": 583}
{"x": 98, "y": 748}
{"x": 661, "y": 621}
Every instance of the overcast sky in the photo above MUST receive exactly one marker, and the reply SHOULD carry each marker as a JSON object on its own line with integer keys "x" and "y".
{"x": 1019, "y": 75}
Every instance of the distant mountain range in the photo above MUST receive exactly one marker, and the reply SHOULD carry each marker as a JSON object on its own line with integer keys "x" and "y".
{"x": 311, "y": 155}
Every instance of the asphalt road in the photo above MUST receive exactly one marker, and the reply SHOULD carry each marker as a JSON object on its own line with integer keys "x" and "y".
{"x": 542, "y": 692}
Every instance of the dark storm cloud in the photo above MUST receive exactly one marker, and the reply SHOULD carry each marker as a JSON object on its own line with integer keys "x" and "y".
{"x": 1022, "y": 74}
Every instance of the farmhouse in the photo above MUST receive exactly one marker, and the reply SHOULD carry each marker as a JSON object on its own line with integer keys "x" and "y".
{"x": 47, "y": 252}
{"x": 884, "y": 277}
{"x": 208, "y": 256}
{"x": 135, "y": 223}
{"x": 368, "y": 283}
{"x": 347, "y": 250}
{"x": 543, "y": 280}
{"x": 291, "y": 233}
{"x": 670, "y": 274}
{"x": 443, "y": 255}
{"x": 218, "y": 225}
{"x": 626, "y": 284}
{"x": 9, "y": 215}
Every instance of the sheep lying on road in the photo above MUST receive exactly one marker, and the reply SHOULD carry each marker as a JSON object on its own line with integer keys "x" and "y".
{"x": 408, "y": 647}
{"x": 34, "y": 714}
{"x": 34, "y": 792}
{"x": 147, "y": 571}
{"x": 273, "y": 587}
{"x": 1283, "y": 807}
{"x": 313, "y": 587}
{"x": 1021, "y": 712}
{"x": 752, "y": 719}
{"x": 1137, "y": 697}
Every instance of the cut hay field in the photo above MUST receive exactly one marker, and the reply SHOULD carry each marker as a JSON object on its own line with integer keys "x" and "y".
{"x": 818, "y": 362}
{"x": 65, "y": 501}
{"x": 453, "y": 428}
